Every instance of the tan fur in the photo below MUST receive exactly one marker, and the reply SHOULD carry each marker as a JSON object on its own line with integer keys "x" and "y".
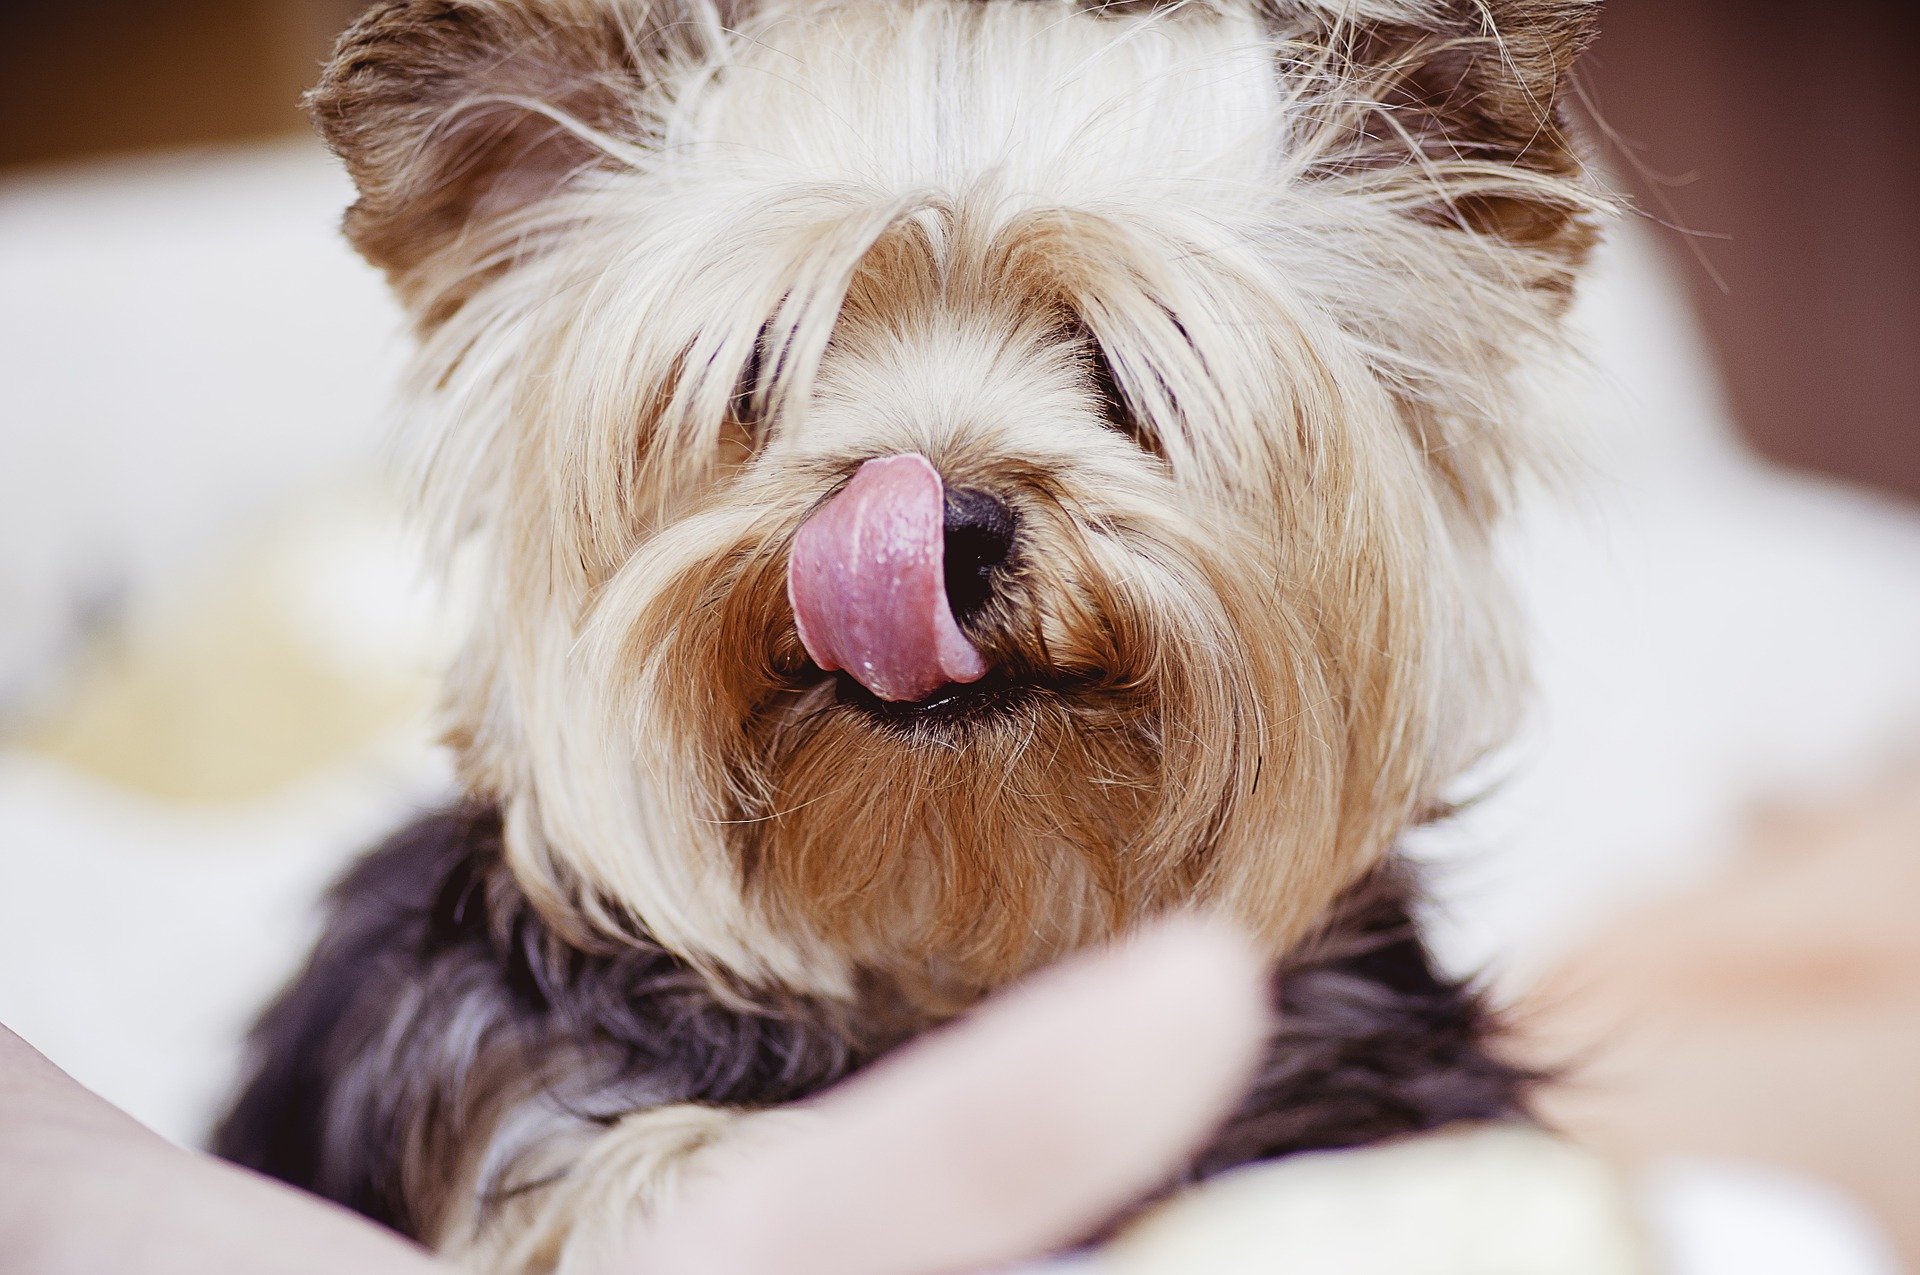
{"x": 1319, "y": 244}
{"x": 566, "y": 1205}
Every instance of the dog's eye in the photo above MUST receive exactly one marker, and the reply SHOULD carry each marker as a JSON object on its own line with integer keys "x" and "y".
{"x": 745, "y": 392}
{"x": 744, "y": 430}
{"x": 1113, "y": 403}
{"x": 748, "y": 406}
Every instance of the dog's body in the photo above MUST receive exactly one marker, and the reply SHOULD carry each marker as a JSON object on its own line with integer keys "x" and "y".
{"x": 947, "y": 479}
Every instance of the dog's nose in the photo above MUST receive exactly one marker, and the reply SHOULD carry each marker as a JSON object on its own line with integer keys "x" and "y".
{"x": 979, "y": 540}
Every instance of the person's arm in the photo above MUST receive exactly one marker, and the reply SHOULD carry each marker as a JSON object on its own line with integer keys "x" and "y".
{"x": 89, "y": 1189}
{"x": 1028, "y": 1124}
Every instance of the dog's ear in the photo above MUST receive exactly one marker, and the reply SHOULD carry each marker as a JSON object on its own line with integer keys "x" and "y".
{"x": 448, "y": 113}
{"x": 1459, "y": 86}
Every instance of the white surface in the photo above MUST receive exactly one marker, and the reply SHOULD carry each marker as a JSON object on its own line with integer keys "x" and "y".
{"x": 186, "y": 346}
{"x": 1710, "y": 633}
{"x": 1700, "y": 1217}
{"x": 1487, "y": 1200}
{"x": 1719, "y": 1218}
{"x": 138, "y": 940}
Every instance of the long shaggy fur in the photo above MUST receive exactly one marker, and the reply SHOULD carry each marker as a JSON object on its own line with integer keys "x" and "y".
{"x": 1233, "y": 303}
{"x": 439, "y": 1004}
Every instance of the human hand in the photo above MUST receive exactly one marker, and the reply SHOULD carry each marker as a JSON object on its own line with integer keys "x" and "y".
{"x": 1019, "y": 1130}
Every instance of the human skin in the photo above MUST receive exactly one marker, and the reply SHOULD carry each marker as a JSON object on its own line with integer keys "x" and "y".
{"x": 89, "y": 1189}
{"x": 1027, "y": 1125}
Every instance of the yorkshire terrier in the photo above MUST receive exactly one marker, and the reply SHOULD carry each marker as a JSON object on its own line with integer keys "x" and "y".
{"x": 946, "y": 480}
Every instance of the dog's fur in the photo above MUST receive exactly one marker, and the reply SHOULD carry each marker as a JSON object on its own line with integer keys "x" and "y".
{"x": 1232, "y": 302}
{"x": 447, "y": 1054}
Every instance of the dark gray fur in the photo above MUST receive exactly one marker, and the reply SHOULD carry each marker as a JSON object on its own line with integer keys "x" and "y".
{"x": 434, "y": 983}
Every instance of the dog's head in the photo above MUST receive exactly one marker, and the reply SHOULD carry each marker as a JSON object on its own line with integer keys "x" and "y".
{"x": 948, "y": 477}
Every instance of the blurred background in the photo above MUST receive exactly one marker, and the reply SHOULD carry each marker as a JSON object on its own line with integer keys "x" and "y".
{"x": 217, "y": 658}
{"x": 1781, "y": 138}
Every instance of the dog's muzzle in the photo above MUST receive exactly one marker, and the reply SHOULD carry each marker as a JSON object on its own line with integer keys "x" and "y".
{"x": 878, "y": 573}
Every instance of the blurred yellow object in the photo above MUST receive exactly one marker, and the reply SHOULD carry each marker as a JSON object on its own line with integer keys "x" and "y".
{"x": 290, "y": 659}
{"x": 1474, "y": 1200}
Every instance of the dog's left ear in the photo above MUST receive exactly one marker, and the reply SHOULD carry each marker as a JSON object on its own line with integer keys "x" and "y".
{"x": 452, "y": 113}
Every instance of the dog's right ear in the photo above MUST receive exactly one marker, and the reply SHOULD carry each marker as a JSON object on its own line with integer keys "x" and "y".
{"x": 1473, "y": 92}
{"x": 452, "y": 113}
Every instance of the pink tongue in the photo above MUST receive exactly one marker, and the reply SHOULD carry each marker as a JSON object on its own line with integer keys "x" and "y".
{"x": 868, "y": 584}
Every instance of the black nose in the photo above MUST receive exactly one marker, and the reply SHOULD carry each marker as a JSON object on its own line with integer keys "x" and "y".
{"x": 980, "y": 531}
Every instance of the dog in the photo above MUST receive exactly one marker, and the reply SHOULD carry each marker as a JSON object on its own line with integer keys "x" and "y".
{"x": 944, "y": 481}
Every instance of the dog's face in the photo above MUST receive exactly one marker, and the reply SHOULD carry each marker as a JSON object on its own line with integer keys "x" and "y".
{"x": 948, "y": 477}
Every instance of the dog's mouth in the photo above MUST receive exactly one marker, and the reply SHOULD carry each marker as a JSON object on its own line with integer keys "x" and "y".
{"x": 948, "y": 716}
{"x": 954, "y": 707}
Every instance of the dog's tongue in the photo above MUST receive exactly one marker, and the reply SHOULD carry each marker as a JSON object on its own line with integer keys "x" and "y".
{"x": 868, "y": 584}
